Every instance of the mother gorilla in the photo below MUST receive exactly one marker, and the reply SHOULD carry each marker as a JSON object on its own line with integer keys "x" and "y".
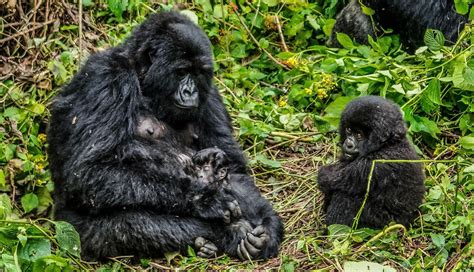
{"x": 126, "y": 194}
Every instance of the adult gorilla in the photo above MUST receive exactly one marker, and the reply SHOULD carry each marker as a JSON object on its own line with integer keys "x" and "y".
{"x": 127, "y": 194}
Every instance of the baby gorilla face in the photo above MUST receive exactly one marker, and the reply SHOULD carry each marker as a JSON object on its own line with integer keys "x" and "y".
{"x": 211, "y": 165}
{"x": 353, "y": 143}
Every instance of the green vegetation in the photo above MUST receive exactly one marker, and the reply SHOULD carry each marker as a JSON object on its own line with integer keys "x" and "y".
{"x": 285, "y": 90}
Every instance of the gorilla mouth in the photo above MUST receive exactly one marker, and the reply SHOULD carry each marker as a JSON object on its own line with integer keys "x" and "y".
{"x": 184, "y": 106}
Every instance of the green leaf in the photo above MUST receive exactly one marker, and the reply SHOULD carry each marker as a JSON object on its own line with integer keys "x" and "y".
{"x": 438, "y": 240}
{"x": 5, "y": 207}
{"x": 423, "y": 124}
{"x": 191, "y": 16}
{"x": 29, "y": 202}
{"x": 467, "y": 142}
{"x": 267, "y": 162}
{"x": 434, "y": 39}
{"x": 2, "y": 178}
{"x": 68, "y": 238}
{"x": 345, "y": 40}
{"x": 337, "y": 230}
{"x": 118, "y": 7}
{"x": 35, "y": 249}
{"x": 171, "y": 255}
{"x": 462, "y": 6}
{"x": 37, "y": 108}
{"x": 366, "y": 10}
{"x": 12, "y": 113}
{"x": 271, "y": 3}
{"x": 87, "y": 3}
{"x": 433, "y": 91}
{"x": 366, "y": 267}
{"x": 333, "y": 111}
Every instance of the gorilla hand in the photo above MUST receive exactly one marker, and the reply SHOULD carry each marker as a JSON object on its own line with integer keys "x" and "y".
{"x": 251, "y": 246}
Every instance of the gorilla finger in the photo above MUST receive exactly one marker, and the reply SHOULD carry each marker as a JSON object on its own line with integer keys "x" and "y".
{"x": 258, "y": 230}
{"x": 239, "y": 253}
{"x": 199, "y": 242}
{"x": 227, "y": 217}
{"x": 250, "y": 248}
{"x": 207, "y": 251}
{"x": 257, "y": 242}
{"x": 245, "y": 254}
{"x": 203, "y": 255}
{"x": 210, "y": 246}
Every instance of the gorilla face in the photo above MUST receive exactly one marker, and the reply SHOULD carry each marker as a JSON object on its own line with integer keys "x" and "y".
{"x": 353, "y": 143}
{"x": 178, "y": 77}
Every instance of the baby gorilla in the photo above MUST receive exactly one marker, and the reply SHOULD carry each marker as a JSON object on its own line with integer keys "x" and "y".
{"x": 372, "y": 128}
{"x": 211, "y": 166}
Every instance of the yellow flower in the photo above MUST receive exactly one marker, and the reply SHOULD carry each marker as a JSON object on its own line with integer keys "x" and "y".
{"x": 42, "y": 137}
{"x": 282, "y": 103}
{"x": 321, "y": 93}
{"x": 39, "y": 166}
{"x": 292, "y": 62}
{"x": 308, "y": 91}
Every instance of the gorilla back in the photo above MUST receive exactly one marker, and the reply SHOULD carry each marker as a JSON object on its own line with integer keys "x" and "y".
{"x": 126, "y": 194}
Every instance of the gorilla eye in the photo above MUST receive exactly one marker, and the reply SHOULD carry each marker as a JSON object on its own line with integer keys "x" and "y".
{"x": 359, "y": 136}
{"x": 348, "y": 131}
{"x": 181, "y": 72}
{"x": 207, "y": 168}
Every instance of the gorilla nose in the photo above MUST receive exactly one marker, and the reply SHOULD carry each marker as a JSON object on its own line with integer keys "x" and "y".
{"x": 189, "y": 92}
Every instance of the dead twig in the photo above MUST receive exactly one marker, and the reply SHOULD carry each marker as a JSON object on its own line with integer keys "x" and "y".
{"x": 25, "y": 31}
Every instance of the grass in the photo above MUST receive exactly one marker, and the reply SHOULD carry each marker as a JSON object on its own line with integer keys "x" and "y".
{"x": 284, "y": 90}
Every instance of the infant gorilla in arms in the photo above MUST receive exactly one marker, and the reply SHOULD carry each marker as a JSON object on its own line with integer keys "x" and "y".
{"x": 210, "y": 166}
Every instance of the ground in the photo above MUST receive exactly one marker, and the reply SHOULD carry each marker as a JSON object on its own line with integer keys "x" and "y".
{"x": 285, "y": 91}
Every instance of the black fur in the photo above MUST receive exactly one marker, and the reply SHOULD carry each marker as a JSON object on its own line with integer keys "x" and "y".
{"x": 408, "y": 18}
{"x": 126, "y": 194}
{"x": 397, "y": 189}
{"x": 255, "y": 211}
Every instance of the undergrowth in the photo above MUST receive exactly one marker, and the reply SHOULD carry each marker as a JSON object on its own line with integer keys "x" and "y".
{"x": 285, "y": 90}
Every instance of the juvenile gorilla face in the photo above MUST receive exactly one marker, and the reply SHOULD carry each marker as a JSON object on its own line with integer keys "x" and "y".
{"x": 353, "y": 143}
{"x": 179, "y": 76}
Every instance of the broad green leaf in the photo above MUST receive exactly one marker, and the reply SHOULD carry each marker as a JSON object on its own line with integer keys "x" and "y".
{"x": 462, "y": 6}
{"x": 5, "y": 207}
{"x": 345, "y": 40}
{"x": 267, "y": 162}
{"x": 438, "y": 240}
{"x": 12, "y": 113}
{"x": 423, "y": 124}
{"x": 68, "y": 238}
{"x": 434, "y": 39}
{"x": 333, "y": 111}
{"x": 37, "y": 108}
{"x": 366, "y": 10}
{"x": 118, "y": 7}
{"x": 366, "y": 267}
{"x": 467, "y": 142}
{"x": 35, "y": 249}
{"x": 337, "y": 230}
{"x": 271, "y": 3}
{"x": 433, "y": 91}
{"x": 29, "y": 202}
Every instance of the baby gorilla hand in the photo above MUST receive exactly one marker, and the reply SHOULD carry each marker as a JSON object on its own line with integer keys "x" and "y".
{"x": 205, "y": 248}
{"x": 233, "y": 212}
{"x": 251, "y": 246}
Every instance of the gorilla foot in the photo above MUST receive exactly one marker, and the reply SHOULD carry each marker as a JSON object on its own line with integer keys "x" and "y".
{"x": 206, "y": 249}
{"x": 250, "y": 247}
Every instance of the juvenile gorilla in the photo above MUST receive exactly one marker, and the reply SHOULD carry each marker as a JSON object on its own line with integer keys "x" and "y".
{"x": 372, "y": 128}
{"x": 408, "y": 18}
{"x": 211, "y": 165}
{"x": 131, "y": 192}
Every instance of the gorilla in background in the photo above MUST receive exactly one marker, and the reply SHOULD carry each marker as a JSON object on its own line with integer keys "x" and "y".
{"x": 408, "y": 18}
{"x": 372, "y": 128}
{"x": 131, "y": 190}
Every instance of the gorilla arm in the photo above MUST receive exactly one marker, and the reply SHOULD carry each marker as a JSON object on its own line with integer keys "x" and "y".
{"x": 215, "y": 131}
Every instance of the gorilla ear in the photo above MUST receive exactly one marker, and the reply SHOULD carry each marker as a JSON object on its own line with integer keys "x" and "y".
{"x": 143, "y": 59}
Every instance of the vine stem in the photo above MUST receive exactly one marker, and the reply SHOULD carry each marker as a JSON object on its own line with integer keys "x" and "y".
{"x": 355, "y": 223}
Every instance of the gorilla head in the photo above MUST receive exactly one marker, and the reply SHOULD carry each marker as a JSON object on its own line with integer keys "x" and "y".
{"x": 175, "y": 68}
{"x": 369, "y": 123}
